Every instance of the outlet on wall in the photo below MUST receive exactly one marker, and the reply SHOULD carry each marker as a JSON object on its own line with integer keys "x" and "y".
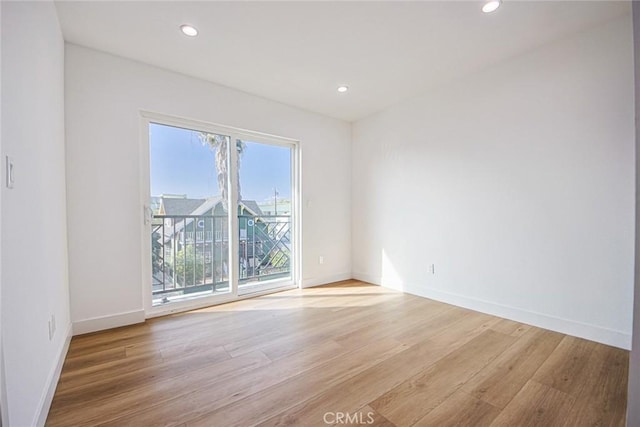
{"x": 321, "y": 260}
{"x": 432, "y": 268}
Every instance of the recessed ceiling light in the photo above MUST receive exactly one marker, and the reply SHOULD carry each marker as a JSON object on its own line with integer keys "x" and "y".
{"x": 343, "y": 88}
{"x": 189, "y": 30}
{"x": 491, "y": 6}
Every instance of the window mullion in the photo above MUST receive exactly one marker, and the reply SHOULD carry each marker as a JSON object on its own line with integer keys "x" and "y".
{"x": 234, "y": 241}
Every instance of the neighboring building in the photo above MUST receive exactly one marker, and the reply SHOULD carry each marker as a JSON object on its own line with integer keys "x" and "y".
{"x": 191, "y": 237}
{"x": 276, "y": 207}
{"x": 178, "y": 205}
{"x": 210, "y": 219}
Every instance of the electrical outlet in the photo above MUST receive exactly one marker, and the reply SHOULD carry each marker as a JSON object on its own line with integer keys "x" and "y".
{"x": 321, "y": 260}
{"x": 432, "y": 269}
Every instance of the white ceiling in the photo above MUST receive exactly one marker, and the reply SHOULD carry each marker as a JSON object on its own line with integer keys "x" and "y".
{"x": 299, "y": 52}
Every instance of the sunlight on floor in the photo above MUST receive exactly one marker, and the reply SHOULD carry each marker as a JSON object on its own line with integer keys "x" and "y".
{"x": 356, "y": 295}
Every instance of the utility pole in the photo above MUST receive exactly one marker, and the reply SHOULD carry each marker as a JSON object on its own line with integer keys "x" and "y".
{"x": 275, "y": 201}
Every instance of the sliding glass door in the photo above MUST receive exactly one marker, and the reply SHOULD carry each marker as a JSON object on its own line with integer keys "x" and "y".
{"x": 264, "y": 216}
{"x": 189, "y": 213}
{"x": 200, "y": 251}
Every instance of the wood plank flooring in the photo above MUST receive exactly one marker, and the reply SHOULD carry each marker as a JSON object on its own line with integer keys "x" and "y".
{"x": 346, "y": 353}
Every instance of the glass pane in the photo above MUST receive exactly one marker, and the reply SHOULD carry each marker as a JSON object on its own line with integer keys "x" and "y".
{"x": 264, "y": 216}
{"x": 189, "y": 232}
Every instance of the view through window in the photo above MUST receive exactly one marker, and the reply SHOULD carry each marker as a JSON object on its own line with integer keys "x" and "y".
{"x": 190, "y": 175}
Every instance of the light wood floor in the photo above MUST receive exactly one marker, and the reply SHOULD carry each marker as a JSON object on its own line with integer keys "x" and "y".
{"x": 303, "y": 357}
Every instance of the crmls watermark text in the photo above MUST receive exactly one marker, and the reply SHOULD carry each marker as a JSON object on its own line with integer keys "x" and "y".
{"x": 348, "y": 418}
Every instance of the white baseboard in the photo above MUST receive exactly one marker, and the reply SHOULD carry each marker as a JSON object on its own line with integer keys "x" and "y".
{"x": 318, "y": 281}
{"x": 566, "y": 326}
{"x": 52, "y": 382}
{"x": 107, "y": 322}
{"x": 364, "y": 277}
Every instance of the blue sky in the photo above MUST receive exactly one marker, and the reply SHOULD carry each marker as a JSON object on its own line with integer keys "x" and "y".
{"x": 181, "y": 164}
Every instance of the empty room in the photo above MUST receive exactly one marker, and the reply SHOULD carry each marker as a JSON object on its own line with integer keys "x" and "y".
{"x": 319, "y": 213}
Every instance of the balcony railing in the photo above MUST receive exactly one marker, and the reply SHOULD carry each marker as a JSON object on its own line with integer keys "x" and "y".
{"x": 190, "y": 253}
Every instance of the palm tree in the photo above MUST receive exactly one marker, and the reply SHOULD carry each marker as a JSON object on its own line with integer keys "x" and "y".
{"x": 220, "y": 144}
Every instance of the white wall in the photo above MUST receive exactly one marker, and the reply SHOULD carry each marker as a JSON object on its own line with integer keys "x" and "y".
{"x": 517, "y": 182}
{"x": 34, "y": 234}
{"x": 104, "y": 96}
